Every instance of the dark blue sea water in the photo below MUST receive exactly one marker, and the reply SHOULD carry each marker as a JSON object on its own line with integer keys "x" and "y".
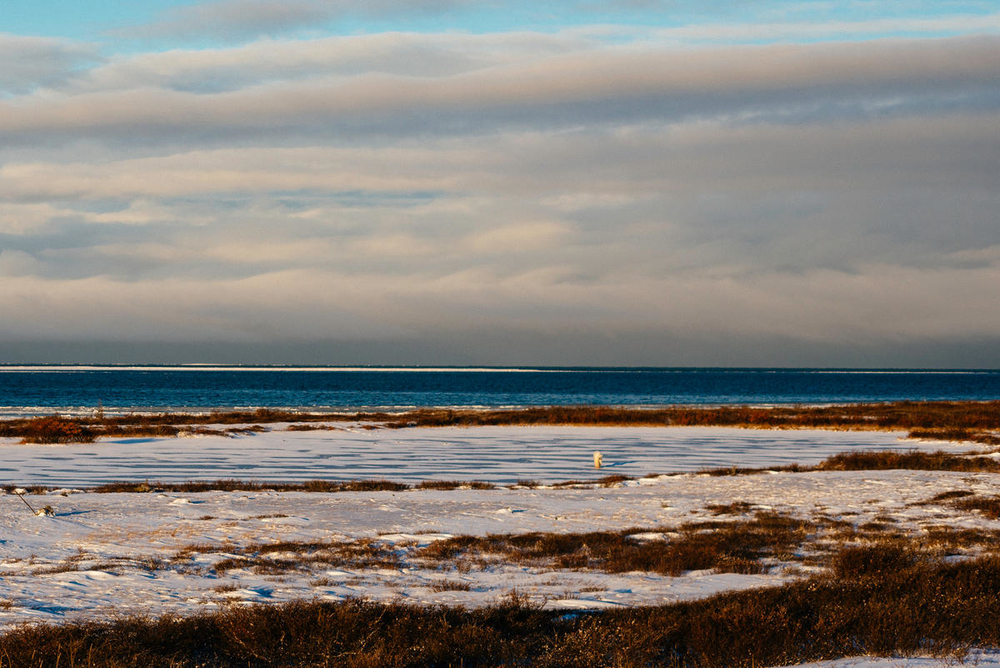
{"x": 69, "y": 389}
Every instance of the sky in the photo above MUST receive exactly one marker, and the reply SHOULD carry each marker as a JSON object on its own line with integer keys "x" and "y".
{"x": 588, "y": 182}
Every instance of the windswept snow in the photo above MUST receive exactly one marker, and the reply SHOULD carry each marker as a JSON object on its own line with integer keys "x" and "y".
{"x": 112, "y": 552}
{"x": 496, "y": 454}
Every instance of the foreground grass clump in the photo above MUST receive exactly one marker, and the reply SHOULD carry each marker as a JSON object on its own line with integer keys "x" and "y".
{"x": 878, "y": 600}
{"x": 912, "y": 459}
{"x": 194, "y": 487}
{"x": 55, "y": 429}
{"x": 728, "y": 547}
{"x": 277, "y": 558}
{"x": 878, "y": 460}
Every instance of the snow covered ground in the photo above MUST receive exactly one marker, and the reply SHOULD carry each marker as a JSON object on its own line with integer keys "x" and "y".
{"x": 117, "y": 552}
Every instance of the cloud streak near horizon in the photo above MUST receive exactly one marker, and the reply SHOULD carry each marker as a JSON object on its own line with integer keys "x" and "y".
{"x": 582, "y": 185}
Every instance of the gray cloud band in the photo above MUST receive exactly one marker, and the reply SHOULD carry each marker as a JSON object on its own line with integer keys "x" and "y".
{"x": 768, "y": 84}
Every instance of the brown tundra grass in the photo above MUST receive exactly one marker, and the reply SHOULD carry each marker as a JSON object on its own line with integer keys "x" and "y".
{"x": 282, "y": 557}
{"x": 730, "y": 547}
{"x": 988, "y": 506}
{"x": 964, "y": 420}
{"x": 882, "y": 601}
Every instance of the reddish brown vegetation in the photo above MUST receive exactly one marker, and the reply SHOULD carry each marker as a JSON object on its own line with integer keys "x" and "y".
{"x": 949, "y": 420}
{"x": 277, "y": 558}
{"x": 193, "y": 487}
{"x": 606, "y": 481}
{"x": 454, "y": 484}
{"x": 987, "y": 505}
{"x": 735, "y": 547}
{"x": 915, "y": 460}
{"x": 55, "y": 429}
{"x": 969, "y": 416}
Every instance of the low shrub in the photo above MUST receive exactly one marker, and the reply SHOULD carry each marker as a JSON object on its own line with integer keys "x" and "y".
{"x": 55, "y": 429}
{"x": 912, "y": 459}
{"x": 987, "y": 505}
{"x": 733, "y": 547}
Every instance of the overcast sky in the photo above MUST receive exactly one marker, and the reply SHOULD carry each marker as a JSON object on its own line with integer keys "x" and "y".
{"x": 636, "y": 182}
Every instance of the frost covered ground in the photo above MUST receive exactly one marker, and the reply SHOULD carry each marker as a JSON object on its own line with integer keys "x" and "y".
{"x": 155, "y": 552}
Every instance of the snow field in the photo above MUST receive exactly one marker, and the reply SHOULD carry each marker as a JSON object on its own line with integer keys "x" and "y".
{"x": 112, "y": 553}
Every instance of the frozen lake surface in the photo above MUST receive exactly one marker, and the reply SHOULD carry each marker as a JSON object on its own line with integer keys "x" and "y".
{"x": 494, "y": 454}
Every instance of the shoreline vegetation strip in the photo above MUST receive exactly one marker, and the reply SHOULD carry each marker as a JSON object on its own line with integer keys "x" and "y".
{"x": 952, "y": 420}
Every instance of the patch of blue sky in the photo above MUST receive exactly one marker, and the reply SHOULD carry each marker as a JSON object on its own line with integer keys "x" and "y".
{"x": 707, "y": 21}
{"x": 304, "y": 199}
{"x": 76, "y": 19}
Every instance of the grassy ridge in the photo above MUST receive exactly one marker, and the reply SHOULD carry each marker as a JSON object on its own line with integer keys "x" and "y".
{"x": 949, "y": 420}
{"x": 881, "y": 599}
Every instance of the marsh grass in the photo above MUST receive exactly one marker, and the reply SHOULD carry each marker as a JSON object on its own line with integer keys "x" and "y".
{"x": 606, "y": 481}
{"x": 987, "y": 505}
{"x": 877, "y": 460}
{"x": 291, "y": 556}
{"x": 194, "y": 487}
{"x": 950, "y": 495}
{"x": 454, "y": 484}
{"x": 734, "y": 508}
{"x": 731, "y": 547}
{"x": 449, "y": 585}
{"x": 969, "y": 420}
{"x": 910, "y": 459}
{"x": 83, "y": 562}
{"x": 54, "y": 429}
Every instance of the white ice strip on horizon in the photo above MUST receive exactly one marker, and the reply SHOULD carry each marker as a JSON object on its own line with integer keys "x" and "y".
{"x": 494, "y": 454}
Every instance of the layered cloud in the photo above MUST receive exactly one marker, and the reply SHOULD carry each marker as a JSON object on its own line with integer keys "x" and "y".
{"x": 34, "y": 62}
{"x": 776, "y": 84}
{"x": 556, "y": 187}
{"x": 239, "y": 19}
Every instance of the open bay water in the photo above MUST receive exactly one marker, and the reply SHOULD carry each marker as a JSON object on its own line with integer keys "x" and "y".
{"x": 35, "y": 390}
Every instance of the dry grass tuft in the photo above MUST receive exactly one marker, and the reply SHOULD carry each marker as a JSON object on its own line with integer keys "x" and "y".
{"x": 449, "y": 585}
{"x": 454, "y": 484}
{"x": 987, "y": 505}
{"x": 55, "y": 429}
{"x": 912, "y": 459}
{"x": 289, "y": 556}
{"x": 195, "y": 487}
{"x": 951, "y": 495}
{"x": 606, "y": 481}
{"x": 734, "y": 508}
{"x": 732, "y": 547}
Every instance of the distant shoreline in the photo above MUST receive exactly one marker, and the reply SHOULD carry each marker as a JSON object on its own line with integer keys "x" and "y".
{"x": 958, "y": 420}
